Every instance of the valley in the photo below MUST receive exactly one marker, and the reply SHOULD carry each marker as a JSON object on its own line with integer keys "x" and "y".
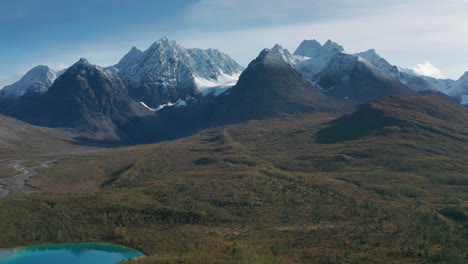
{"x": 261, "y": 191}
{"x": 319, "y": 156}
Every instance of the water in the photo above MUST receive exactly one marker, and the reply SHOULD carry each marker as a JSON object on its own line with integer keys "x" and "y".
{"x": 85, "y": 253}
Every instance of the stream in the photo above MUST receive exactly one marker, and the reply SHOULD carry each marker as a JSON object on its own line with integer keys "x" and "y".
{"x": 18, "y": 182}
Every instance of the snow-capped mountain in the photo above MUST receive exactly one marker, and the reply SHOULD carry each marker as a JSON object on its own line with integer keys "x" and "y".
{"x": 314, "y": 57}
{"x": 358, "y": 78}
{"x": 36, "y": 81}
{"x": 408, "y": 77}
{"x": 130, "y": 59}
{"x": 309, "y": 48}
{"x": 166, "y": 72}
{"x": 372, "y": 56}
{"x": 354, "y": 78}
{"x": 457, "y": 89}
{"x": 320, "y": 57}
{"x": 270, "y": 86}
{"x": 209, "y": 63}
{"x": 310, "y": 57}
{"x": 405, "y": 76}
{"x": 285, "y": 55}
{"x": 215, "y": 72}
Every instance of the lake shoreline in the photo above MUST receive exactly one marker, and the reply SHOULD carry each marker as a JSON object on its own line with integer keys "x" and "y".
{"x": 86, "y": 252}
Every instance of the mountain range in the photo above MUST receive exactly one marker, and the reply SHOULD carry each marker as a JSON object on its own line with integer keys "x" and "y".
{"x": 167, "y": 72}
{"x": 315, "y": 156}
{"x": 169, "y": 90}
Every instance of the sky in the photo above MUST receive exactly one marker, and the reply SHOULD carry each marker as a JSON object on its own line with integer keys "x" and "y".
{"x": 429, "y": 36}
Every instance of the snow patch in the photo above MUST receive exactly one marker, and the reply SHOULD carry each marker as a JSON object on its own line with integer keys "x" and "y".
{"x": 210, "y": 86}
{"x": 146, "y": 106}
{"x": 178, "y": 103}
{"x": 366, "y": 62}
{"x": 427, "y": 69}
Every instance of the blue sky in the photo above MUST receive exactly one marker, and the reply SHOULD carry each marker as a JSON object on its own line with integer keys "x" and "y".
{"x": 414, "y": 34}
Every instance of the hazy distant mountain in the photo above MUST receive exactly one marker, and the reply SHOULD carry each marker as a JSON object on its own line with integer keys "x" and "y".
{"x": 356, "y": 79}
{"x": 315, "y": 57}
{"x": 36, "y": 81}
{"x": 328, "y": 65}
{"x": 372, "y": 56}
{"x": 457, "y": 89}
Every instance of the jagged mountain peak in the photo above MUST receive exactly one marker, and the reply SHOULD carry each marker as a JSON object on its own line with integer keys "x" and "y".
{"x": 277, "y": 47}
{"x": 370, "y": 52}
{"x": 309, "y": 48}
{"x": 165, "y": 39}
{"x": 374, "y": 58}
{"x": 41, "y": 69}
{"x": 264, "y": 53}
{"x": 84, "y": 65}
{"x": 130, "y": 58}
{"x": 167, "y": 71}
{"x": 85, "y": 70}
{"x": 134, "y": 52}
{"x": 270, "y": 58}
{"x": 270, "y": 86}
{"x": 164, "y": 50}
{"x": 313, "y": 48}
{"x": 165, "y": 43}
{"x": 285, "y": 55}
{"x": 135, "y": 49}
{"x": 81, "y": 63}
{"x": 315, "y": 57}
{"x": 331, "y": 46}
{"x": 207, "y": 63}
{"x": 312, "y": 42}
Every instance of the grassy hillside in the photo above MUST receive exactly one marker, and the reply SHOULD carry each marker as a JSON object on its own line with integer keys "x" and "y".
{"x": 264, "y": 191}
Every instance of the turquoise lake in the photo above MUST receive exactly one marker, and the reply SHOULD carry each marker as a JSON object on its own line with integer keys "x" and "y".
{"x": 83, "y": 253}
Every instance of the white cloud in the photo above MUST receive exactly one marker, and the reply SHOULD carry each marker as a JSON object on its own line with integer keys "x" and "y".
{"x": 412, "y": 32}
{"x": 404, "y": 32}
{"x": 427, "y": 69}
{"x": 241, "y": 13}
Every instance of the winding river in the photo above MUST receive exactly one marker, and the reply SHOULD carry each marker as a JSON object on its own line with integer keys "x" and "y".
{"x": 18, "y": 182}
